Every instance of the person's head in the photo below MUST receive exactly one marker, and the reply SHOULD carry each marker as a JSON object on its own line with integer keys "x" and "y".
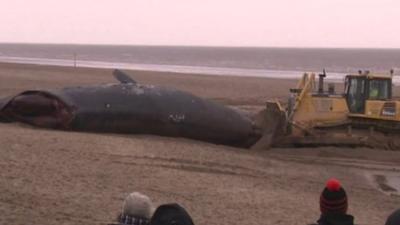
{"x": 171, "y": 214}
{"x": 394, "y": 218}
{"x": 333, "y": 198}
{"x": 137, "y": 205}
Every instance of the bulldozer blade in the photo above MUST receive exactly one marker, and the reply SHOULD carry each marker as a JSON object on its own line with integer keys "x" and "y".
{"x": 272, "y": 121}
{"x": 265, "y": 142}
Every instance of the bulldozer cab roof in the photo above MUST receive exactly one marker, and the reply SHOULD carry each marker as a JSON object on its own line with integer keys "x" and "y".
{"x": 370, "y": 76}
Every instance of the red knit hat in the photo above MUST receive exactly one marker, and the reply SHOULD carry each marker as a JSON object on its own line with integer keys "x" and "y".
{"x": 333, "y": 198}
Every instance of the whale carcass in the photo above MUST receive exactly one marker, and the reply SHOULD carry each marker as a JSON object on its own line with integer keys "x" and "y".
{"x": 131, "y": 108}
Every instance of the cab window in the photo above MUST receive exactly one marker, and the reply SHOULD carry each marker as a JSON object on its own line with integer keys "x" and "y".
{"x": 379, "y": 89}
{"x": 356, "y": 94}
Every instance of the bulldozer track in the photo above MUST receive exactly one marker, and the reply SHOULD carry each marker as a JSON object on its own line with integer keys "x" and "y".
{"x": 384, "y": 176}
{"x": 375, "y": 134}
{"x": 384, "y": 126}
{"x": 342, "y": 162}
{"x": 190, "y": 166}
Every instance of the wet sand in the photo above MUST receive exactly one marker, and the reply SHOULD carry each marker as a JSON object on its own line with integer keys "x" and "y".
{"x": 55, "y": 177}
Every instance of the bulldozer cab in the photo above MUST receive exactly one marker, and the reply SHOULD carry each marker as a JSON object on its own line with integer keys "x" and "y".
{"x": 362, "y": 87}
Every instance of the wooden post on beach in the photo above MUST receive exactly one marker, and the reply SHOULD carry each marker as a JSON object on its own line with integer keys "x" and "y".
{"x": 74, "y": 59}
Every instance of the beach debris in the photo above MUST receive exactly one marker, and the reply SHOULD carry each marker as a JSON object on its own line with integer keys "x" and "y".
{"x": 130, "y": 108}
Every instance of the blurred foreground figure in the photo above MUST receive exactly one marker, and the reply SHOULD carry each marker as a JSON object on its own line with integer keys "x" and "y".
{"x": 394, "y": 218}
{"x": 333, "y": 205}
{"x": 136, "y": 210}
{"x": 171, "y": 214}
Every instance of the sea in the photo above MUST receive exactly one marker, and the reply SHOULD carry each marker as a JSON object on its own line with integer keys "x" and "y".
{"x": 285, "y": 63}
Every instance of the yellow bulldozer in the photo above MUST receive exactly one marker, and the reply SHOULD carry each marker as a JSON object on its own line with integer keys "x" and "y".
{"x": 365, "y": 114}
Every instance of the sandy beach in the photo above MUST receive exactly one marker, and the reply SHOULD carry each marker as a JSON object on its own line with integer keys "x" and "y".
{"x": 56, "y": 177}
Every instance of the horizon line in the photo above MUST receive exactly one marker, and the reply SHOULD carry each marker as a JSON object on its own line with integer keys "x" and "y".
{"x": 198, "y": 46}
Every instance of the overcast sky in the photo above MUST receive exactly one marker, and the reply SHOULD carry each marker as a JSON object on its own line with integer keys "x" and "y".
{"x": 296, "y": 23}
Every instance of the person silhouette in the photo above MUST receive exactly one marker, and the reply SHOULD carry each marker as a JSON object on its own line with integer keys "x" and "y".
{"x": 394, "y": 218}
{"x": 171, "y": 214}
{"x": 137, "y": 209}
{"x": 333, "y": 205}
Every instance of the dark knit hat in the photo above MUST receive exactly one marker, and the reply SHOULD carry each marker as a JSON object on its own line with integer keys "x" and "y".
{"x": 171, "y": 214}
{"x": 394, "y": 218}
{"x": 333, "y": 198}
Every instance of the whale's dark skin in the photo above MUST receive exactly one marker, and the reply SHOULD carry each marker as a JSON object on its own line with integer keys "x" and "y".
{"x": 130, "y": 108}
